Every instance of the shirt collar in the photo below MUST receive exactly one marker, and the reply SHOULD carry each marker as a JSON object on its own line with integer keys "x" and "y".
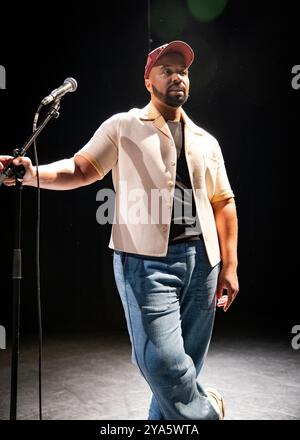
{"x": 150, "y": 113}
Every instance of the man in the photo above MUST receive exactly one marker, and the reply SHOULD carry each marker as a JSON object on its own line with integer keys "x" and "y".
{"x": 167, "y": 266}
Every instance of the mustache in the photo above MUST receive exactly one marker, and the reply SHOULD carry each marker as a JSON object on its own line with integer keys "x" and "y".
{"x": 176, "y": 88}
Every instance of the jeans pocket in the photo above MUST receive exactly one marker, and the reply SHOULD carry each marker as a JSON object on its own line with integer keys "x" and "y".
{"x": 205, "y": 294}
{"x": 205, "y": 299}
{"x": 150, "y": 282}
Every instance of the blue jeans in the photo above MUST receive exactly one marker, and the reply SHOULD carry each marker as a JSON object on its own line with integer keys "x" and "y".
{"x": 169, "y": 304}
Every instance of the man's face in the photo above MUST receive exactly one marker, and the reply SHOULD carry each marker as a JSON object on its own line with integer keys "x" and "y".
{"x": 169, "y": 81}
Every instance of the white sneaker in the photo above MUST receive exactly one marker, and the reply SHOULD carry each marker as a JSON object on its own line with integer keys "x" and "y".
{"x": 217, "y": 400}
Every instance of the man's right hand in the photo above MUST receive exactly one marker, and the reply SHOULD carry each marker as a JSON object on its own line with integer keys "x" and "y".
{"x": 25, "y": 161}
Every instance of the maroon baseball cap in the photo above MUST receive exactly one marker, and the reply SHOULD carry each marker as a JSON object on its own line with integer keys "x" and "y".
{"x": 174, "y": 46}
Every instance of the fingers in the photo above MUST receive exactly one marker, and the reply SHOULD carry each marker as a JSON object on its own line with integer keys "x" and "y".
{"x": 227, "y": 282}
{"x": 4, "y": 161}
{"x": 225, "y": 301}
{"x": 11, "y": 181}
{"x": 231, "y": 297}
{"x": 219, "y": 291}
{"x": 22, "y": 161}
{"x": 222, "y": 301}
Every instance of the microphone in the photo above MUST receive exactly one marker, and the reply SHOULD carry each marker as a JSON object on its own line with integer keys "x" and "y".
{"x": 69, "y": 85}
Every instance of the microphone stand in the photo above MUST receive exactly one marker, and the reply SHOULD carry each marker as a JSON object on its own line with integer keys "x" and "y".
{"x": 11, "y": 169}
{"x": 18, "y": 172}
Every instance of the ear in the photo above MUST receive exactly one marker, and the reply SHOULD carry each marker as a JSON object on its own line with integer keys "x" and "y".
{"x": 148, "y": 84}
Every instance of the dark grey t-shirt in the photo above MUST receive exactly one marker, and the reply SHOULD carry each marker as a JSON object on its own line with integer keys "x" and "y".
{"x": 184, "y": 224}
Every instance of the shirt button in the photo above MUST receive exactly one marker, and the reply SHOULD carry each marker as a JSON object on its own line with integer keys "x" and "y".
{"x": 173, "y": 162}
{"x": 170, "y": 184}
{"x": 164, "y": 228}
{"x": 189, "y": 152}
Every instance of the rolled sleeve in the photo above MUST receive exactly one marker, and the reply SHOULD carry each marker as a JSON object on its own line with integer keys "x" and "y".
{"x": 101, "y": 150}
{"x": 223, "y": 189}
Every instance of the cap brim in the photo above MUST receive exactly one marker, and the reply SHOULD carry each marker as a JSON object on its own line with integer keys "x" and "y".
{"x": 179, "y": 47}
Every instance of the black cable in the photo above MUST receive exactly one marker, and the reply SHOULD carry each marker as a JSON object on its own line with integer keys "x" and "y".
{"x": 53, "y": 113}
{"x": 38, "y": 273}
{"x": 149, "y": 25}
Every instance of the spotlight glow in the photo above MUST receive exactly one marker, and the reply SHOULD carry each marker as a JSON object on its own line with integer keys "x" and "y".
{"x": 206, "y": 10}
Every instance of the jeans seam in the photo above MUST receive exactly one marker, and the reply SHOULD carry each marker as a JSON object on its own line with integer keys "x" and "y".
{"x": 132, "y": 333}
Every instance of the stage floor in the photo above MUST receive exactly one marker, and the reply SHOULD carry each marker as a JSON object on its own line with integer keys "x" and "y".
{"x": 91, "y": 377}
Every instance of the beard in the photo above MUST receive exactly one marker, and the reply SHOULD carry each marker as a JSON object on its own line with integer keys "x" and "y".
{"x": 171, "y": 100}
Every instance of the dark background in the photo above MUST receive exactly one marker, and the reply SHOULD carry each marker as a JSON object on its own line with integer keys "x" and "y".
{"x": 240, "y": 91}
